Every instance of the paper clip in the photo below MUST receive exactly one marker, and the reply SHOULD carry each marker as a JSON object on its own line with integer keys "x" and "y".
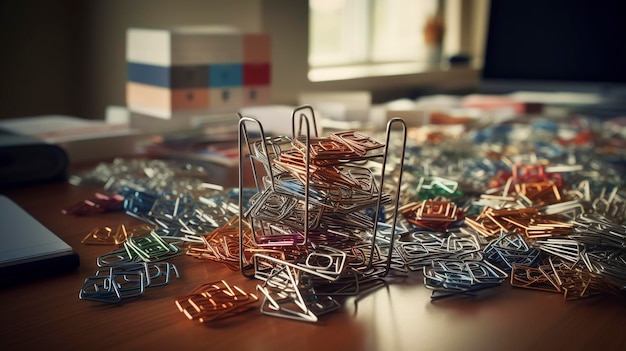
{"x": 432, "y": 214}
{"x": 511, "y": 249}
{"x": 150, "y": 248}
{"x": 532, "y": 278}
{"x": 99, "y": 204}
{"x": 215, "y": 301}
{"x": 359, "y": 142}
{"x": 453, "y": 278}
{"x": 122, "y": 281}
{"x": 282, "y": 295}
{"x": 106, "y": 236}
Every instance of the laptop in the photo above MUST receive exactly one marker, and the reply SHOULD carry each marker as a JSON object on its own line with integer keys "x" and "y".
{"x": 29, "y": 250}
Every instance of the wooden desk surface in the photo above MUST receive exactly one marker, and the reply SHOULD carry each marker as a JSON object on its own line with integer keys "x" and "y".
{"x": 48, "y": 314}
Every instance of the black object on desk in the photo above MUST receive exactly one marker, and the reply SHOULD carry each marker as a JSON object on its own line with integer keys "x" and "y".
{"x": 27, "y": 160}
{"x": 29, "y": 250}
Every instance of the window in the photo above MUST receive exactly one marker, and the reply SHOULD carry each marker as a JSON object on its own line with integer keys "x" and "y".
{"x": 339, "y": 68}
{"x": 373, "y": 37}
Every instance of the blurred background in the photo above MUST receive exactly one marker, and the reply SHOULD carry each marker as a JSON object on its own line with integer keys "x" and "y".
{"x": 68, "y": 56}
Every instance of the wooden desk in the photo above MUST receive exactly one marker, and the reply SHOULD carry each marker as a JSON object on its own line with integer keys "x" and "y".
{"x": 48, "y": 314}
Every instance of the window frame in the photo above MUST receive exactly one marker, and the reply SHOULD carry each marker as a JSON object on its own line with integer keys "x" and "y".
{"x": 290, "y": 72}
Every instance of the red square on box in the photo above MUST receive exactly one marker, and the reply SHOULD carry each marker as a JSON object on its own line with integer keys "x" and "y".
{"x": 256, "y": 74}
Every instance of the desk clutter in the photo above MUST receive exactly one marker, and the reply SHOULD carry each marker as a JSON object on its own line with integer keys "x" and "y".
{"x": 28, "y": 160}
{"x": 331, "y": 218}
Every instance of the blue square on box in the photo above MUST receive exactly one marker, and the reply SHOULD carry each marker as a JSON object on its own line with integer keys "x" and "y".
{"x": 225, "y": 75}
{"x": 149, "y": 74}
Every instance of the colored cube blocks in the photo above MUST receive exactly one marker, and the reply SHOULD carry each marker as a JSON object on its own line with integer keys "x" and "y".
{"x": 196, "y": 70}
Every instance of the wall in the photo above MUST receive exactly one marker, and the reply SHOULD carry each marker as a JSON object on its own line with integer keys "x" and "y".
{"x": 68, "y": 57}
{"x": 39, "y": 56}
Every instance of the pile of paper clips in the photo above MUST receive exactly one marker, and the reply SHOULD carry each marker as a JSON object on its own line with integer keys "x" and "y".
{"x": 176, "y": 207}
{"x": 334, "y": 217}
{"x": 126, "y": 272}
{"x": 553, "y": 222}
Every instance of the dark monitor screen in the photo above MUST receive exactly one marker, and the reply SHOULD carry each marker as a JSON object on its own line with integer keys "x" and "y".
{"x": 562, "y": 41}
